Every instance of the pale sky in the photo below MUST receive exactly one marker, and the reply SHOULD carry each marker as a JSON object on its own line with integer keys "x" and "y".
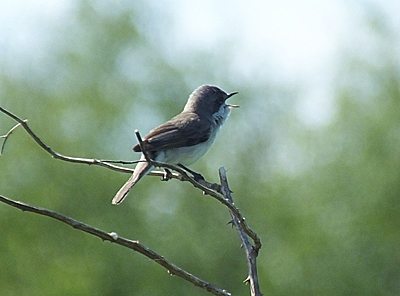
{"x": 290, "y": 36}
{"x": 285, "y": 41}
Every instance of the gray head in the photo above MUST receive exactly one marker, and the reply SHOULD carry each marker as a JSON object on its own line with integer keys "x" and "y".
{"x": 209, "y": 100}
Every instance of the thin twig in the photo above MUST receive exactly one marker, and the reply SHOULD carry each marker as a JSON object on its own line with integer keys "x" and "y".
{"x": 120, "y": 161}
{"x": 5, "y": 137}
{"x": 251, "y": 251}
{"x": 114, "y": 238}
{"x": 141, "y": 144}
{"x": 59, "y": 156}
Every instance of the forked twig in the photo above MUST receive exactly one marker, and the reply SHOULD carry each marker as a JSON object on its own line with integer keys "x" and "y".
{"x": 211, "y": 189}
{"x": 89, "y": 161}
{"x": 5, "y": 137}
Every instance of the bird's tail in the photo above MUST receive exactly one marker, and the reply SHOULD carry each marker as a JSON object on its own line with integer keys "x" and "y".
{"x": 141, "y": 170}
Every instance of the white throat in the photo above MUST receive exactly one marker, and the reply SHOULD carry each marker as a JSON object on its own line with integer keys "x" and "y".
{"x": 221, "y": 115}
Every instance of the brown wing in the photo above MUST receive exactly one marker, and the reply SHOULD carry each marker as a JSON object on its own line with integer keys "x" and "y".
{"x": 185, "y": 129}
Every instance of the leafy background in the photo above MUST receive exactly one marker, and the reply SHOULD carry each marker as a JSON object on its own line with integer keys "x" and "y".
{"x": 315, "y": 173}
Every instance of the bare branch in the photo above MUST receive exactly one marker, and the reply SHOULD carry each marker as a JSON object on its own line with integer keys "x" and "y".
{"x": 220, "y": 192}
{"x": 251, "y": 252}
{"x": 223, "y": 194}
{"x": 114, "y": 238}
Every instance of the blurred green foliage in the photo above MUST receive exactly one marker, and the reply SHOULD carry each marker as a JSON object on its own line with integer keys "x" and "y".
{"x": 325, "y": 201}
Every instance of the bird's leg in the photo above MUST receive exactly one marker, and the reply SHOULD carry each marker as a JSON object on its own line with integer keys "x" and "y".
{"x": 167, "y": 175}
{"x": 196, "y": 176}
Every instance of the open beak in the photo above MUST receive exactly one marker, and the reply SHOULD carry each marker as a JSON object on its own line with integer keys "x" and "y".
{"x": 230, "y": 95}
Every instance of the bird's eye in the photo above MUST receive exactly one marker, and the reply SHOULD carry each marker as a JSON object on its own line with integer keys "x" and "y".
{"x": 220, "y": 100}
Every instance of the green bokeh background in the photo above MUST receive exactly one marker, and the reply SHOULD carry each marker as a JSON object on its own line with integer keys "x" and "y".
{"x": 325, "y": 201}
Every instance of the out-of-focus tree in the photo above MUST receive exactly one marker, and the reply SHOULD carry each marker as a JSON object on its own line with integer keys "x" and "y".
{"x": 324, "y": 200}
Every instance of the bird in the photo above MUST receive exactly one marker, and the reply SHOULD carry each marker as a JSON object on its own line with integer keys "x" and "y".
{"x": 186, "y": 137}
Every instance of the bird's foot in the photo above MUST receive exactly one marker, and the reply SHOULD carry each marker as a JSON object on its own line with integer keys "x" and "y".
{"x": 196, "y": 176}
{"x": 167, "y": 175}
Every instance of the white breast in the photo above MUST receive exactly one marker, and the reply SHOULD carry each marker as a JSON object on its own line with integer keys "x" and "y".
{"x": 186, "y": 155}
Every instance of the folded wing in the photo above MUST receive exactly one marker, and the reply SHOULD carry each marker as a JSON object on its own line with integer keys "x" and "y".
{"x": 183, "y": 130}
